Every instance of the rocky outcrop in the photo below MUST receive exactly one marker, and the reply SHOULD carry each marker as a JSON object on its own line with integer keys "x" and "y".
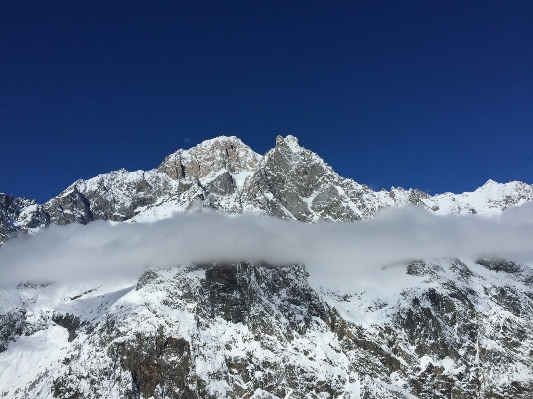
{"x": 17, "y": 322}
{"x": 211, "y": 157}
{"x": 12, "y": 325}
{"x": 70, "y": 322}
{"x": 20, "y": 214}
{"x": 294, "y": 183}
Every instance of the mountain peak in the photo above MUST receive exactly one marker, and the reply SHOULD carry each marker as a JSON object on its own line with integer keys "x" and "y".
{"x": 290, "y": 142}
{"x": 489, "y": 183}
{"x": 220, "y": 153}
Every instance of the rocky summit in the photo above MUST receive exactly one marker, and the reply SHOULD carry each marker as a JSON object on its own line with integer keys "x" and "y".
{"x": 422, "y": 328}
{"x": 225, "y": 174}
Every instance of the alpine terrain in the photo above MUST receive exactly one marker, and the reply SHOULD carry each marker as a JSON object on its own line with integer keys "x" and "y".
{"x": 423, "y": 328}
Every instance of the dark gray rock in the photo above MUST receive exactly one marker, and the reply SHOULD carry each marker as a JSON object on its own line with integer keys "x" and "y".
{"x": 18, "y": 215}
{"x": 500, "y": 265}
{"x": 12, "y": 325}
{"x": 70, "y": 322}
{"x": 223, "y": 184}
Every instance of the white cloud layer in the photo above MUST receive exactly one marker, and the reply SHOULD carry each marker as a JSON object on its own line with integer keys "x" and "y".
{"x": 332, "y": 252}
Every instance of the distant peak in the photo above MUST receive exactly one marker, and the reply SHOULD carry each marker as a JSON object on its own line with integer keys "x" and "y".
{"x": 220, "y": 142}
{"x": 490, "y": 183}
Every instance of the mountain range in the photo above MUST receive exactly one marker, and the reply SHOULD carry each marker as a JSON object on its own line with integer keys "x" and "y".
{"x": 423, "y": 328}
{"x": 288, "y": 182}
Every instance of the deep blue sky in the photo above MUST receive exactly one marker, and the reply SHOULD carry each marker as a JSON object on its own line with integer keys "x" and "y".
{"x": 436, "y": 95}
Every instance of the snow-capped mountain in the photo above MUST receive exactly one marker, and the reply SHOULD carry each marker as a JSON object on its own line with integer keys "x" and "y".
{"x": 423, "y": 328}
{"x": 447, "y": 329}
{"x": 289, "y": 181}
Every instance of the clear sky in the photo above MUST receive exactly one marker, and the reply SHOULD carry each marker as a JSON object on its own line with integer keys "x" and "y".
{"x": 436, "y": 95}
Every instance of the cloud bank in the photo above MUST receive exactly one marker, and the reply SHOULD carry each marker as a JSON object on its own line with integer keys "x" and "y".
{"x": 103, "y": 251}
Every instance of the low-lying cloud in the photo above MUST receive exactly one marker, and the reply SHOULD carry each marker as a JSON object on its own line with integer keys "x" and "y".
{"x": 332, "y": 251}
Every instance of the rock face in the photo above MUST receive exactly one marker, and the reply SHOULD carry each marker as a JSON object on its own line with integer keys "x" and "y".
{"x": 457, "y": 329}
{"x": 20, "y": 214}
{"x": 211, "y": 157}
{"x": 289, "y": 181}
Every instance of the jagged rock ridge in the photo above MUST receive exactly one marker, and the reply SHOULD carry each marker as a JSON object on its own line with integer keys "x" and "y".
{"x": 289, "y": 181}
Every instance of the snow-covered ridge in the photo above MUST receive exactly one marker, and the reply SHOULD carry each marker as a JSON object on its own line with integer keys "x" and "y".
{"x": 223, "y": 173}
{"x": 490, "y": 198}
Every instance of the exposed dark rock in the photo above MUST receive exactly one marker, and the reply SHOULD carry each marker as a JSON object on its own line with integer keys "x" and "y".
{"x": 68, "y": 321}
{"x": 12, "y": 325}
{"x": 71, "y": 207}
{"x": 499, "y": 265}
{"x": 20, "y": 215}
{"x": 160, "y": 366}
{"x": 223, "y": 184}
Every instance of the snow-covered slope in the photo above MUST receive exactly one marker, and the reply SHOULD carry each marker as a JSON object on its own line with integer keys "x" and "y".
{"x": 491, "y": 198}
{"x": 289, "y": 181}
{"x": 441, "y": 329}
